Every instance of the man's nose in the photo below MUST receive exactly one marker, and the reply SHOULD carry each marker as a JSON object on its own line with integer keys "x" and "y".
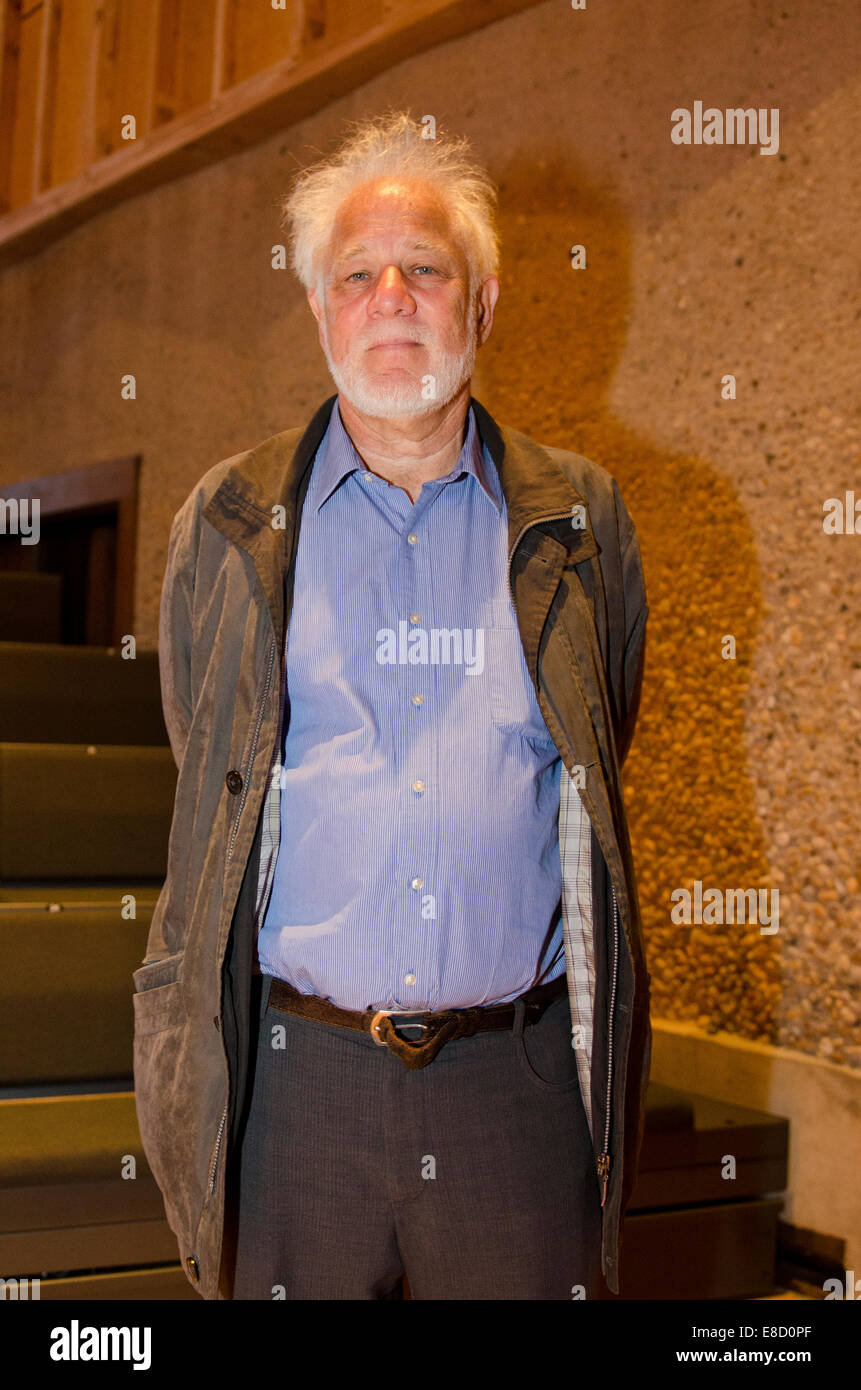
{"x": 393, "y": 292}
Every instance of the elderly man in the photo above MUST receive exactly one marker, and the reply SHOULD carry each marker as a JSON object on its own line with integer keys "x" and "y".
{"x": 393, "y": 1018}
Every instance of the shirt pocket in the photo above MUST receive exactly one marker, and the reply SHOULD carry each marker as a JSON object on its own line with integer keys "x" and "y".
{"x": 511, "y": 696}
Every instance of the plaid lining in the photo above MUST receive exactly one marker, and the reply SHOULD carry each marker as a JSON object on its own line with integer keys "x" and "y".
{"x": 270, "y": 839}
{"x": 575, "y": 850}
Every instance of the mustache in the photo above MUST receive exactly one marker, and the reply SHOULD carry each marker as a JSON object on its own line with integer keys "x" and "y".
{"x": 399, "y": 338}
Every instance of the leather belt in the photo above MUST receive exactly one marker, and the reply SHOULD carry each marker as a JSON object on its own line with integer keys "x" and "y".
{"x": 438, "y": 1028}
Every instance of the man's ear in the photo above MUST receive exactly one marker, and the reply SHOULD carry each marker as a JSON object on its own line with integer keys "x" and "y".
{"x": 488, "y": 295}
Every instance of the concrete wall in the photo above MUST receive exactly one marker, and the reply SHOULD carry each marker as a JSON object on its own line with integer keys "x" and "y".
{"x": 701, "y": 261}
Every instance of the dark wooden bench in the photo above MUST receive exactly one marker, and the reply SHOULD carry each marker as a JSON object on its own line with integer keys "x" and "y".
{"x": 689, "y": 1232}
{"x": 68, "y": 1125}
{"x": 86, "y": 795}
{"x": 65, "y": 694}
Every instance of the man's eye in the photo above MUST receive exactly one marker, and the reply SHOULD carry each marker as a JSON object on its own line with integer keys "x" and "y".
{"x": 354, "y": 273}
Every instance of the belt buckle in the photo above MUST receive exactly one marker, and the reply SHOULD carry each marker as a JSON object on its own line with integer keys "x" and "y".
{"x": 381, "y": 1013}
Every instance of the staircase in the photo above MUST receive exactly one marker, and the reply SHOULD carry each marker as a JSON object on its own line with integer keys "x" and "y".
{"x": 86, "y": 798}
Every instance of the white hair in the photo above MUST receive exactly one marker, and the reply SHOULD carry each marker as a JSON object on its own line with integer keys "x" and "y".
{"x": 393, "y": 145}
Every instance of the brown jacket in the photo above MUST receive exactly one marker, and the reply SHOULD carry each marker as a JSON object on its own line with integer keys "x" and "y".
{"x": 578, "y": 591}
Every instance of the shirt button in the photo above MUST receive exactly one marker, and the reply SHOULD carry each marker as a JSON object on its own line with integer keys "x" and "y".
{"x": 417, "y": 883}
{"x": 409, "y": 979}
{"x": 418, "y": 699}
{"x": 234, "y": 782}
{"x": 415, "y": 617}
{"x": 418, "y": 786}
{"x": 412, "y": 538}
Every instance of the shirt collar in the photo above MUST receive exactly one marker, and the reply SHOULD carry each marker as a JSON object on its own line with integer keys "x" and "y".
{"x": 337, "y": 457}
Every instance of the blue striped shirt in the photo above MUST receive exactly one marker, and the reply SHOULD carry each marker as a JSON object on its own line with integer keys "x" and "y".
{"x": 418, "y": 865}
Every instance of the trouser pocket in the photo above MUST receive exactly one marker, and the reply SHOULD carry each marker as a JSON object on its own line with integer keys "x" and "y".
{"x": 544, "y": 1049}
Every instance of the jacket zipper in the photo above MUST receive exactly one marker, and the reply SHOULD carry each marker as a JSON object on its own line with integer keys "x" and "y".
{"x": 260, "y": 909}
{"x": 604, "y": 1157}
{"x": 535, "y": 521}
{"x": 214, "y": 1167}
{"x": 249, "y": 764}
{"x": 603, "y": 1160}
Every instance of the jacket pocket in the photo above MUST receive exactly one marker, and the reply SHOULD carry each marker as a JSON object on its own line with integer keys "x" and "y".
{"x": 160, "y": 1067}
{"x": 159, "y": 1008}
{"x": 158, "y": 1000}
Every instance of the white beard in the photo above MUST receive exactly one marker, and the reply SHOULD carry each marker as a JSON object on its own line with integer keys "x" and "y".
{"x": 388, "y": 400}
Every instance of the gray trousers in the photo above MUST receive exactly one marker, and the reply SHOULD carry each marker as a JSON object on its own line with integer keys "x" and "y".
{"x": 474, "y": 1175}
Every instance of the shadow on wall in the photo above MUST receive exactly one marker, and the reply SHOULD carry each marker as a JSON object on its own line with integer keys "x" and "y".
{"x": 547, "y": 370}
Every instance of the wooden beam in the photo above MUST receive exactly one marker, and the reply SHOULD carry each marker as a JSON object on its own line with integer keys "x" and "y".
{"x": 31, "y": 28}
{"x": 263, "y": 105}
{"x": 79, "y": 489}
{"x": 327, "y": 22}
{"x": 67, "y": 142}
{"x": 222, "y": 21}
{"x": 186, "y": 44}
{"x": 255, "y": 36}
{"x": 43, "y": 115}
{"x": 126, "y": 73}
{"x": 10, "y": 25}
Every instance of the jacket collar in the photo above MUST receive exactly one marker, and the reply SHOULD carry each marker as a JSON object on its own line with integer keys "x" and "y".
{"x": 260, "y": 496}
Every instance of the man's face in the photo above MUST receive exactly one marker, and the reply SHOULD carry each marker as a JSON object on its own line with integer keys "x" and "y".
{"x": 395, "y": 322}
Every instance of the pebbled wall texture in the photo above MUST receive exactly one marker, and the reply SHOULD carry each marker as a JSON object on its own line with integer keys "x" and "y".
{"x": 701, "y": 261}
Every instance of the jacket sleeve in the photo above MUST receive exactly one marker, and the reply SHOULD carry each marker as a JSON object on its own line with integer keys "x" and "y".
{"x": 636, "y": 612}
{"x": 175, "y": 637}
